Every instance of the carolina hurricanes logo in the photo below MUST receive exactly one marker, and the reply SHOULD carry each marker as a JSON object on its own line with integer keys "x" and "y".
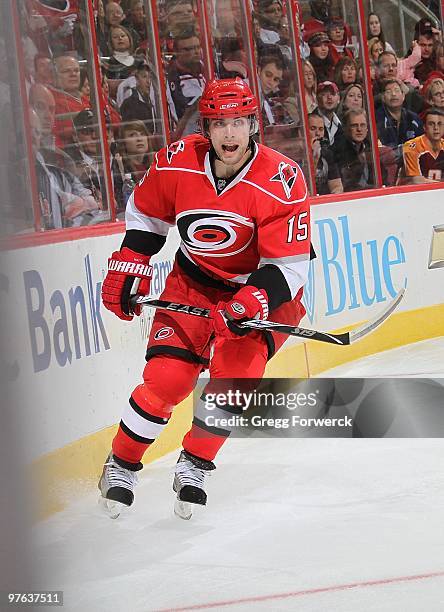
{"x": 164, "y": 333}
{"x": 173, "y": 149}
{"x": 287, "y": 176}
{"x": 215, "y": 233}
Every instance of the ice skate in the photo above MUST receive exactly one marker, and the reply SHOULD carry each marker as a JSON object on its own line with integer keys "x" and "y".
{"x": 189, "y": 481}
{"x": 116, "y": 486}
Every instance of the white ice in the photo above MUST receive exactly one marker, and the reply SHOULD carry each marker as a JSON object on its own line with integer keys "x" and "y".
{"x": 289, "y": 524}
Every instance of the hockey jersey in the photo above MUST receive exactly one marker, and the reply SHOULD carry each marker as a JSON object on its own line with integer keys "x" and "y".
{"x": 255, "y": 230}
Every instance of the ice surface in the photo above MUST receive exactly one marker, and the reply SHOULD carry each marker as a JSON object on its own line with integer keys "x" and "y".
{"x": 289, "y": 524}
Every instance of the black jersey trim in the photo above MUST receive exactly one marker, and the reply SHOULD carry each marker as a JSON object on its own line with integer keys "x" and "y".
{"x": 135, "y": 436}
{"x": 146, "y": 415}
{"x": 199, "y": 276}
{"x": 175, "y": 351}
{"x": 271, "y": 278}
{"x": 215, "y": 431}
{"x": 146, "y": 243}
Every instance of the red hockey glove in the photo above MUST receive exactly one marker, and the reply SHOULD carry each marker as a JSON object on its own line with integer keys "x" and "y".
{"x": 128, "y": 273}
{"x": 248, "y": 303}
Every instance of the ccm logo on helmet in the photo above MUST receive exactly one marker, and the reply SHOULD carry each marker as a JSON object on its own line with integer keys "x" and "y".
{"x": 162, "y": 334}
{"x": 231, "y": 105}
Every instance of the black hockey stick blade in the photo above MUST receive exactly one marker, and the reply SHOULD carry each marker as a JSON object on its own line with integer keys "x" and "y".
{"x": 310, "y": 334}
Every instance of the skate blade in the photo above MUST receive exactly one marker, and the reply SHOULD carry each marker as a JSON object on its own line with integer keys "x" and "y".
{"x": 183, "y": 510}
{"x": 111, "y": 508}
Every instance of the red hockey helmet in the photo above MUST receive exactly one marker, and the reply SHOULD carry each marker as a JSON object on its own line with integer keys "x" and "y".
{"x": 227, "y": 98}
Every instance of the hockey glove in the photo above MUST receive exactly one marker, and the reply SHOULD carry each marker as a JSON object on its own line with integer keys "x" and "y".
{"x": 128, "y": 273}
{"x": 248, "y": 303}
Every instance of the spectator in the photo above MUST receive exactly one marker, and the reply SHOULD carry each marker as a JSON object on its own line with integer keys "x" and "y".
{"x": 345, "y": 73}
{"x": 121, "y": 64}
{"x": 439, "y": 52}
{"x": 433, "y": 92}
{"x": 328, "y": 102}
{"x": 328, "y": 178}
{"x": 424, "y": 155}
{"x": 375, "y": 48}
{"x": 85, "y": 89}
{"x": 87, "y": 154}
{"x": 179, "y": 17}
{"x": 185, "y": 83}
{"x": 68, "y": 98}
{"x": 43, "y": 70}
{"x": 228, "y": 19}
{"x": 42, "y": 101}
{"x": 320, "y": 15}
{"x": 354, "y": 152}
{"x": 395, "y": 124}
{"x": 352, "y": 98}
{"x": 320, "y": 56}
{"x": 425, "y": 34}
{"x": 138, "y": 106}
{"x": 60, "y": 18}
{"x": 233, "y": 59}
{"x": 374, "y": 30}
{"x": 109, "y": 105}
{"x": 270, "y": 16}
{"x": 340, "y": 45}
{"x": 310, "y": 86}
{"x": 406, "y": 66}
{"x": 135, "y": 142}
{"x": 388, "y": 69}
{"x": 115, "y": 17}
{"x": 136, "y": 21}
{"x": 64, "y": 201}
{"x": 270, "y": 72}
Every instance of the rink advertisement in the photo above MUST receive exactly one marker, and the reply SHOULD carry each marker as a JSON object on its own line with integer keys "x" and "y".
{"x": 81, "y": 361}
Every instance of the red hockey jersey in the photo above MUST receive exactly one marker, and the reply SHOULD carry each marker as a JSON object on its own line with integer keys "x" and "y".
{"x": 261, "y": 217}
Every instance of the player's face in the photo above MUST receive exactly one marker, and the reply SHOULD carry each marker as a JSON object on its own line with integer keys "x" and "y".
{"x": 230, "y": 138}
{"x": 434, "y": 127}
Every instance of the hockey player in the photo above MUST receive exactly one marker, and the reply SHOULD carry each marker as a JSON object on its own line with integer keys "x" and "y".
{"x": 242, "y": 213}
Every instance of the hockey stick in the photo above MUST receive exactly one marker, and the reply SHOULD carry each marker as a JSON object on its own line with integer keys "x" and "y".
{"x": 310, "y": 334}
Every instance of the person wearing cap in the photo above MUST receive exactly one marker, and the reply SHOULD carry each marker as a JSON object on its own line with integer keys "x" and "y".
{"x": 340, "y": 36}
{"x": 328, "y": 102}
{"x": 320, "y": 15}
{"x": 138, "y": 106}
{"x": 86, "y": 154}
{"x": 320, "y": 56}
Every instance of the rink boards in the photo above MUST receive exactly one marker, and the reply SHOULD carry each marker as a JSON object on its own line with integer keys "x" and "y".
{"x": 73, "y": 364}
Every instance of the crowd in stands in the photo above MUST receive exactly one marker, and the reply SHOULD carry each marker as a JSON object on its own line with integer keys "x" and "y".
{"x": 407, "y": 93}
